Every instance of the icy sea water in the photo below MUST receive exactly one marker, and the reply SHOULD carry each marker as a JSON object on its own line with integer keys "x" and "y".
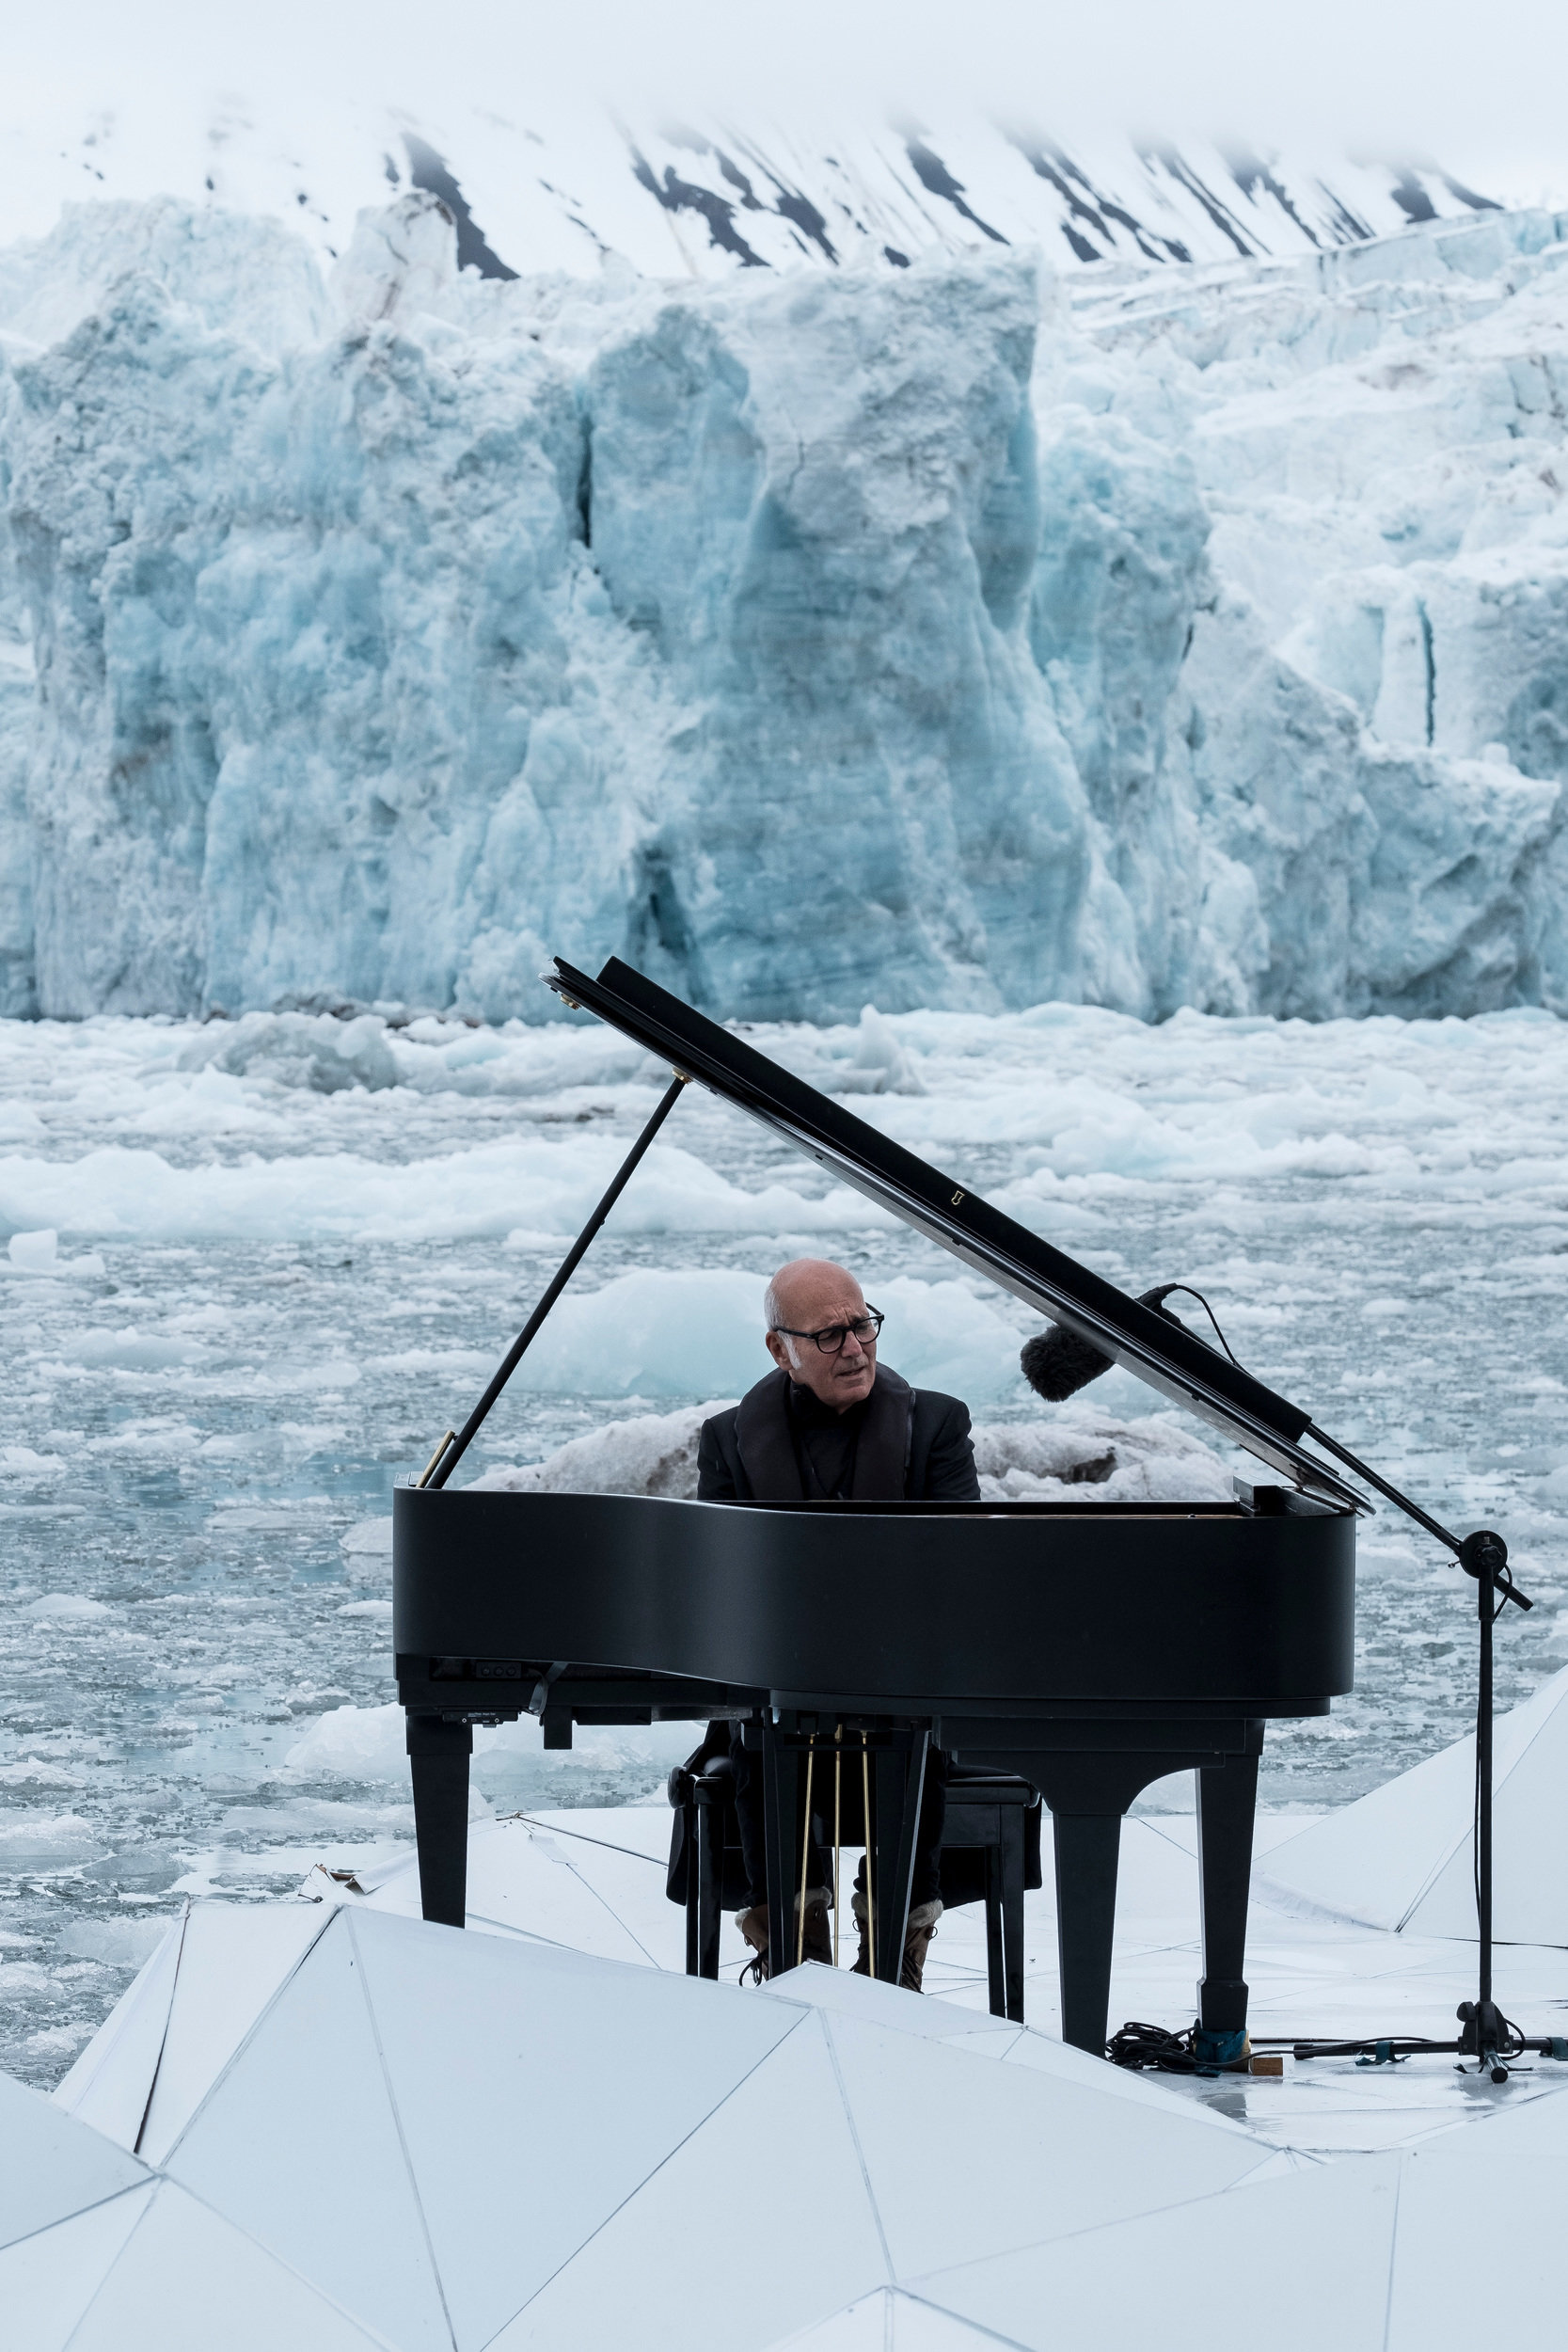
{"x": 271, "y": 1284}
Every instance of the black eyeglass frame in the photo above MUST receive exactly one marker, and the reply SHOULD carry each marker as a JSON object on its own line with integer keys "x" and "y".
{"x": 872, "y": 1315}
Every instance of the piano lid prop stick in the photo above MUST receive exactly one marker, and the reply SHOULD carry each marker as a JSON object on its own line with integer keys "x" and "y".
{"x": 452, "y": 1449}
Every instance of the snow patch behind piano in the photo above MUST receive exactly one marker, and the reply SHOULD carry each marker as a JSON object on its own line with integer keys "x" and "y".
{"x": 1092, "y": 1457}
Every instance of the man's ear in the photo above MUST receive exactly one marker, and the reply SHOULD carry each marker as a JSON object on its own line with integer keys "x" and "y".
{"x": 778, "y": 1350}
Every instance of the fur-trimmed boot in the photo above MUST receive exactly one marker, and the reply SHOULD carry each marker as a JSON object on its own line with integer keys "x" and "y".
{"x": 917, "y": 1939}
{"x": 818, "y": 1941}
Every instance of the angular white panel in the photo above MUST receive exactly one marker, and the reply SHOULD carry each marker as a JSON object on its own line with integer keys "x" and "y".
{"x": 758, "y": 2226}
{"x": 51, "y": 2165}
{"x": 537, "y": 2088}
{"x": 921, "y": 2327}
{"x": 299, "y": 2144}
{"x": 1298, "y": 2265}
{"x": 1400, "y": 1857}
{"x": 189, "y": 2281}
{"x": 233, "y": 1959}
{"x": 893, "y": 2322}
{"x": 47, "y": 2280}
{"x": 1526, "y": 2125}
{"x": 965, "y": 2160}
{"x": 1044, "y": 2055}
{"x": 112, "y": 2080}
{"x": 841, "y": 1990}
{"x": 528, "y": 1878}
{"x": 862, "y": 2326}
{"x": 1478, "y": 2250}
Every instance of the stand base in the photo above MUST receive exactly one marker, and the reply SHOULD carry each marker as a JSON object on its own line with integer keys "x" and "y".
{"x": 1485, "y": 2036}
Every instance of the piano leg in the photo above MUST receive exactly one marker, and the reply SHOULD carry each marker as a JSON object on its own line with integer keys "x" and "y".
{"x": 1089, "y": 1793}
{"x": 898, "y": 1780}
{"x": 688, "y": 1831}
{"x": 1226, "y": 1799}
{"x": 996, "y": 1977}
{"x": 706, "y": 1883}
{"x": 781, "y": 1801}
{"x": 438, "y": 1754}
{"x": 1009, "y": 1871}
{"x": 1087, "y": 1847}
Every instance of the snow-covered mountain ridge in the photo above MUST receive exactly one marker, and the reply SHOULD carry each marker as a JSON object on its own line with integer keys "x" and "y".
{"x": 956, "y": 634}
{"x": 576, "y": 185}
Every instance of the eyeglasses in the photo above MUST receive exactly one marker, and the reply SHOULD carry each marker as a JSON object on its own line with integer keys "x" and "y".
{"x": 831, "y": 1337}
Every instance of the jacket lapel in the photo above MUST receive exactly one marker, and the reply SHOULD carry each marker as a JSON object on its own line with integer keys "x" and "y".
{"x": 764, "y": 1443}
{"x": 883, "y": 1455}
{"x": 766, "y": 1446}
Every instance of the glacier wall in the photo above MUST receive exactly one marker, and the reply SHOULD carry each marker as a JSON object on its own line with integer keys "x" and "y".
{"x": 954, "y": 637}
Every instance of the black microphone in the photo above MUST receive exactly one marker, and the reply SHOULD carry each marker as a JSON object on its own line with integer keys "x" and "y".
{"x": 1057, "y": 1363}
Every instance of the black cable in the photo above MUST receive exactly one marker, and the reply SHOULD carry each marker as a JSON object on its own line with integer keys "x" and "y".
{"x": 1190, "y": 1293}
{"x": 1138, "y": 2045}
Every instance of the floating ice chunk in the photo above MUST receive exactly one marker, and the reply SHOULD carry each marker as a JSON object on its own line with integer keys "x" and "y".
{"x": 31, "y": 1772}
{"x": 1090, "y": 1459}
{"x": 1099, "y": 1460}
{"x": 370, "y": 1743}
{"x": 369, "y": 1535}
{"x": 880, "y": 1064}
{"x": 37, "y": 1834}
{"x": 353, "y": 1744}
{"x": 35, "y": 1252}
{"x": 651, "y": 1454}
{"x": 121, "y": 1943}
{"x": 490, "y": 1188}
{"x": 131, "y": 1350}
{"x": 59, "y": 1607}
{"x": 655, "y": 1333}
{"x": 297, "y": 1050}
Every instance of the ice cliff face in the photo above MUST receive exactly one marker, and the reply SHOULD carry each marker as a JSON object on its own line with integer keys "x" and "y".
{"x": 938, "y": 636}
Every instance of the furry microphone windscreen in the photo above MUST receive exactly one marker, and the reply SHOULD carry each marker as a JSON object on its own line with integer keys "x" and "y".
{"x": 1057, "y": 1363}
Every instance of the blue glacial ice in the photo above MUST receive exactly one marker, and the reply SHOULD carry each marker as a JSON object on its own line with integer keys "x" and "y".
{"x": 958, "y": 637}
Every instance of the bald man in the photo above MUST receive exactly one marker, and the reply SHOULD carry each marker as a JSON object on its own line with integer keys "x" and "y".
{"x": 829, "y": 1423}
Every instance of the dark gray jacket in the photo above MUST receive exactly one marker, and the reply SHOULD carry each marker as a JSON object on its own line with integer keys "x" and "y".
{"x": 913, "y": 1444}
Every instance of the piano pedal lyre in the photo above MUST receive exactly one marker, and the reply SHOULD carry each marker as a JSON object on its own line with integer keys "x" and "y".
{"x": 866, "y": 1824}
{"x": 805, "y": 1859}
{"x": 838, "y": 1782}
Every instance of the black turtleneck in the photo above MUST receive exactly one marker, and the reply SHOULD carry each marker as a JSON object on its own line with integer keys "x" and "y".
{"x": 825, "y": 1441}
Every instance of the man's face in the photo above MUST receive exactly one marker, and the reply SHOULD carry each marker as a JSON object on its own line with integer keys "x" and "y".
{"x": 813, "y": 1298}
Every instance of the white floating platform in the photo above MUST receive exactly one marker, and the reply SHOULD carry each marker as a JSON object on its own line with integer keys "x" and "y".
{"x": 542, "y": 2134}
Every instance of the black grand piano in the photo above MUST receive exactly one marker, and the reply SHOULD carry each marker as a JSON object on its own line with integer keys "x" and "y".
{"x": 1089, "y": 1648}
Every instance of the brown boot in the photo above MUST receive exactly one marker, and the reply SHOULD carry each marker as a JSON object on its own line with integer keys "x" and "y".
{"x": 917, "y": 1941}
{"x": 754, "y": 1927}
{"x": 818, "y": 1943}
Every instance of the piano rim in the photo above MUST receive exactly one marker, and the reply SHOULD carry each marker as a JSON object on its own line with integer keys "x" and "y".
{"x": 1295, "y": 1503}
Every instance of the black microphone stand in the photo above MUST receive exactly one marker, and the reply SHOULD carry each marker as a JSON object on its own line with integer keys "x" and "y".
{"x": 1485, "y": 2035}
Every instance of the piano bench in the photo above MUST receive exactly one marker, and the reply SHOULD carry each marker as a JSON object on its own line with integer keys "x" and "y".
{"x": 990, "y": 1852}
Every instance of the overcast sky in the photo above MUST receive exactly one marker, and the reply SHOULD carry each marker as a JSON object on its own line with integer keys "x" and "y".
{"x": 1482, "y": 87}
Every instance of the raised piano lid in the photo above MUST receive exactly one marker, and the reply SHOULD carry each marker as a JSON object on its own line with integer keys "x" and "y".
{"x": 949, "y": 1214}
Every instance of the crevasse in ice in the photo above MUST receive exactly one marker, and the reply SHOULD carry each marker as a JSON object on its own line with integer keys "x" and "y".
{"x": 955, "y": 637}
